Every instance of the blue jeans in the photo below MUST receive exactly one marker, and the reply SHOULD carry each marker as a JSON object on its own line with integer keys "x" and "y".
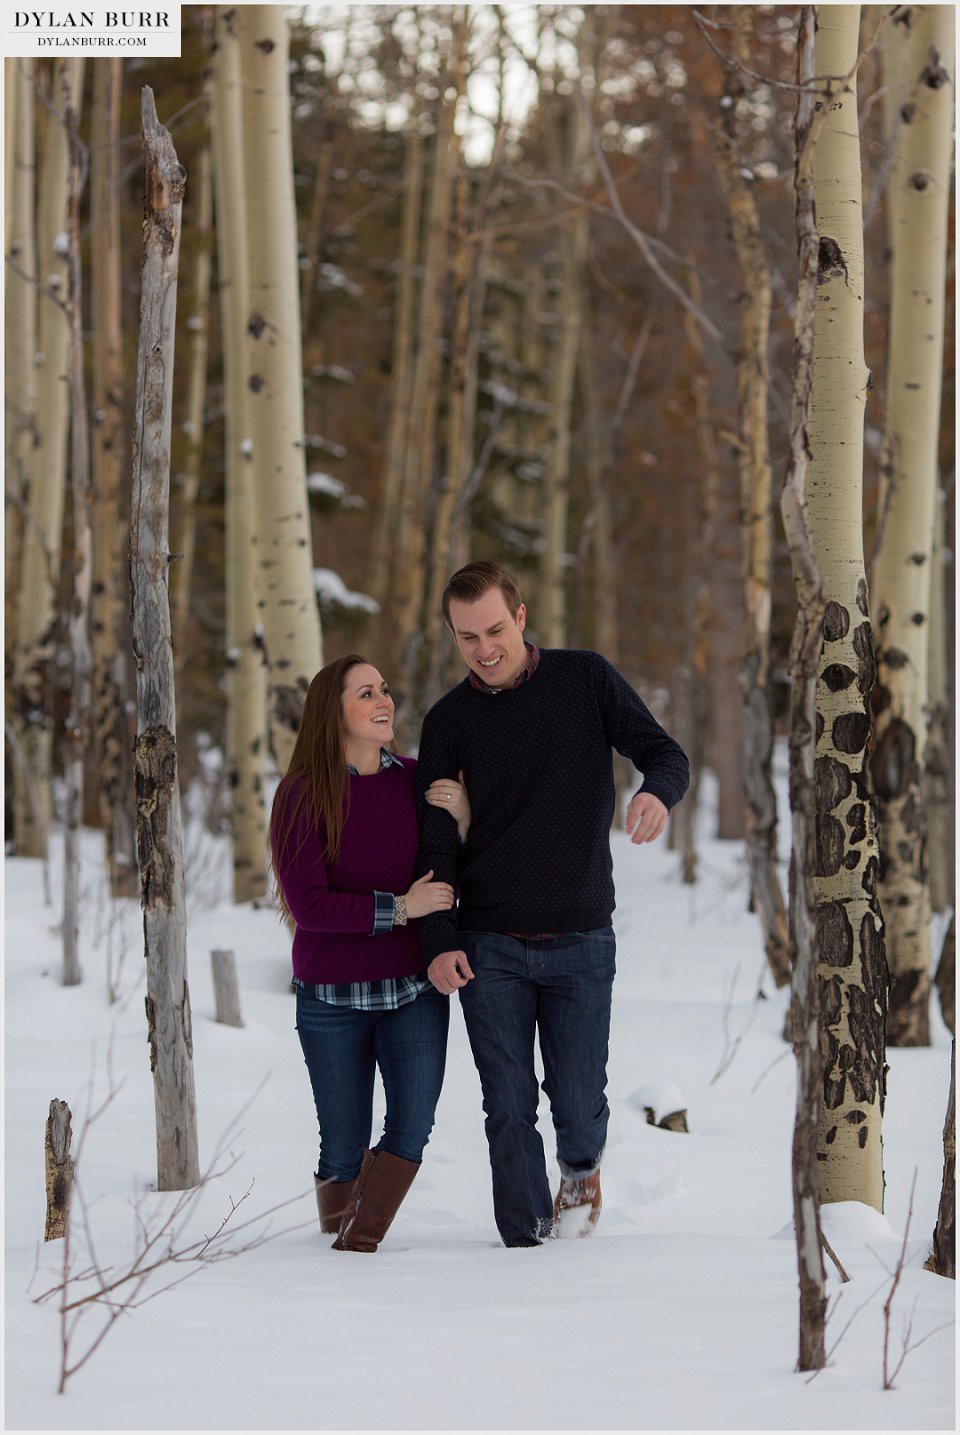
{"x": 560, "y": 987}
{"x": 343, "y": 1048}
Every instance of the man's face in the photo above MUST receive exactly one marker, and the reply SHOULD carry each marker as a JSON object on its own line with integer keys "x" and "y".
{"x": 490, "y": 639}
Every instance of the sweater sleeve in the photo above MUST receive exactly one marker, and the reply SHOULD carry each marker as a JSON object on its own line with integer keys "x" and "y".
{"x": 633, "y": 730}
{"x": 439, "y": 847}
{"x": 314, "y": 905}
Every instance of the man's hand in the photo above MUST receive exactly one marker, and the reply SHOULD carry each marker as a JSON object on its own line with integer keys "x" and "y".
{"x": 449, "y": 971}
{"x": 646, "y": 817}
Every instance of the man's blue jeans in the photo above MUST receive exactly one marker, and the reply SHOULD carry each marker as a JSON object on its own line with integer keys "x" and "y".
{"x": 343, "y": 1048}
{"x": 560, "y": 987}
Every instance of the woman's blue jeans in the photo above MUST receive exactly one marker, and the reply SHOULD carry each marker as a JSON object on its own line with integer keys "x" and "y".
{"x": 344, "y": 1047}
{"x": 559, "y": 987}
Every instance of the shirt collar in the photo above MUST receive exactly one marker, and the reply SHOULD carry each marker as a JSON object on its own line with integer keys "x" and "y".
{"x": 387, "y": 759}
{"x": 533, "y": 660}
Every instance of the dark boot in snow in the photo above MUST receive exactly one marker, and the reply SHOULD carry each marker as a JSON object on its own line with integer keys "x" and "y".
{"x": 333, "y": 1198}
{"x": 383, "y": 1182}
{"x": 577, "y": 1207}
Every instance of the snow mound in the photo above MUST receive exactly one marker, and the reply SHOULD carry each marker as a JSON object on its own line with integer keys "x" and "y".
{"x": 849, "y": 1223}
{"x": 663, "y": 1098}
{"x": 333, "y": 592}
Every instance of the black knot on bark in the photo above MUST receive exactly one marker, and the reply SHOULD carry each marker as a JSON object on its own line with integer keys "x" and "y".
{"x": 830, "y": 261}
{"x": 836, "y": 622}
{"x": 266, "y": 45}
{"x": 933, "y": 75}
{"x": 919, "y": 181}
{"x": 907, "y": 112}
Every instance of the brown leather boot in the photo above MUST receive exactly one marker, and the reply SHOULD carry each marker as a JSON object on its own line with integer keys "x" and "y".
{"x": 580, "y": 1195}
{"x": 333, "y": 1198}
{"x": 383, "y": 1182}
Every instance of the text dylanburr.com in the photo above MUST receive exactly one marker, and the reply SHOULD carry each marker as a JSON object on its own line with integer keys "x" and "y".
{"x": 149, "y": 30}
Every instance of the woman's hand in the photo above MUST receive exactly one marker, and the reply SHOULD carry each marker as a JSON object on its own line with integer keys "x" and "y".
{"x": 451, "y": 794}
{"x": 427, "y": 896}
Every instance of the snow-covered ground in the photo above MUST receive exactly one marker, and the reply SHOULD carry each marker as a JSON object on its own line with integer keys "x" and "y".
{"x": 680, "y": 1313}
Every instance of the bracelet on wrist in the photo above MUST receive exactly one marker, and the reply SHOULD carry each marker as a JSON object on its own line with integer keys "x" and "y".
{"x": 399, "y": 911}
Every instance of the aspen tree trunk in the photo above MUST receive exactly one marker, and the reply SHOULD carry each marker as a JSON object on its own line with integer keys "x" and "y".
{"x": 943, "y": 1258}
{"x": 274, "y": 376}
{"x": 804, "y": 656}
{"x": 469, "y": 270}
{"x": 708, "y": 485}
{"x": 20, "y": 375}
{"x": 937, "y": 797}
{"x": 159, "y": 833}
{"x": 9, "y": 144}
{"x": 574, "y": 237}
{"x": 59, "y": 1169}
{"x": 198, "y": 326}
{"x": 725, "y": 576}
{"x": 246, "y": 672}
{"x": 849, "y": 924}
{"x": 387, "y": 512}
{"x": 47, "y": 475}
{"x": 755, "y": 502}
{"x": 922, "y": 180}
{"x": 109, "y": 635}
{"x": 421, "y": 449}
{"x": 78, "y": 726}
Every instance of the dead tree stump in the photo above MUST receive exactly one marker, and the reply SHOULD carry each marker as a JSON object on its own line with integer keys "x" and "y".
{"x": 59, "y": 1169}
{"x": 226, "y": 992}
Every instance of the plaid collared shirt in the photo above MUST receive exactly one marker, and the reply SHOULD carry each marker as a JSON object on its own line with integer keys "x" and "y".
{"x": 388, "y": 993}
{"x": 533, "y": 659}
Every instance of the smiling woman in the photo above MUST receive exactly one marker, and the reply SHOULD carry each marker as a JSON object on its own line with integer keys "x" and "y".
{"x": 344, "y": 840}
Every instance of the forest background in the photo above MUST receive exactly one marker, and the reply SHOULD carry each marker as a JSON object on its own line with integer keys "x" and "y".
{"x": 516, "y": 282}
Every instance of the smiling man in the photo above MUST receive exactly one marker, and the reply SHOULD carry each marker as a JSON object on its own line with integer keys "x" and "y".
{"x": 531, "y": 949}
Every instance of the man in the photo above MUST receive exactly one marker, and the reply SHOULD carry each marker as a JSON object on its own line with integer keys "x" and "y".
{"x": 531, "y": 949}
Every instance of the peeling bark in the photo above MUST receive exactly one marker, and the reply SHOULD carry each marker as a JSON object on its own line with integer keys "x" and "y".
{"x": 805, "y": 650}
{"x": 159, "y": 835}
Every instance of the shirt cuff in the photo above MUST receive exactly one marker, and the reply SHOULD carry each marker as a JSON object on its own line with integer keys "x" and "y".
{"x": 384, "y": 912}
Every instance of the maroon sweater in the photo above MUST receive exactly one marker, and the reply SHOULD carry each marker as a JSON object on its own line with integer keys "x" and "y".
{"x": 333, "y": 903}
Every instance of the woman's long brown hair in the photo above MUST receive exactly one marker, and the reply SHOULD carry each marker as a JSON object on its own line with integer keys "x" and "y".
{"x": 319, "y": 760}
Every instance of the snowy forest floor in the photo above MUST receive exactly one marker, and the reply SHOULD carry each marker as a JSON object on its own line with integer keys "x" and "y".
{"x": 680, "y": 1313}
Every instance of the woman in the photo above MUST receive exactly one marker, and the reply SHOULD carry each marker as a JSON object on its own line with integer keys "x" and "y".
{"x": 343, "y": 834}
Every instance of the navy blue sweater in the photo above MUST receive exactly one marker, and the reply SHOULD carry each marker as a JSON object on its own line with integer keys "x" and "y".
{"x": 538, "y": 766}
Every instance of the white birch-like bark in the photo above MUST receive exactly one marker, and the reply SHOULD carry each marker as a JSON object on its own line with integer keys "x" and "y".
{"x": 46, "y": 481}
{"x": 20, "y": 297}
{"x": 274, "y": 376}
{"x": 849, "y": 924}
{"x": 920, "y": 191}
{"x": 159, "y": 829}
{"x": 246, "y": 671}
{"x": 937, "y": 753}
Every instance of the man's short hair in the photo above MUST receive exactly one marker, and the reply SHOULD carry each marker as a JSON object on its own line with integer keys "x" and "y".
{"x": 471, "y": 582}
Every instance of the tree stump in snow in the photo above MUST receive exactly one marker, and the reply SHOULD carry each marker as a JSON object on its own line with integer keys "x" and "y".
{"x": 226, "y": 993}
{"x": 673, "y": 1121}
{"x": 59, "y": 1168}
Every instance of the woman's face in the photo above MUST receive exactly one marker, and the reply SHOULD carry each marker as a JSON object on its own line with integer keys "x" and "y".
{"x": 367, "y": 705}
